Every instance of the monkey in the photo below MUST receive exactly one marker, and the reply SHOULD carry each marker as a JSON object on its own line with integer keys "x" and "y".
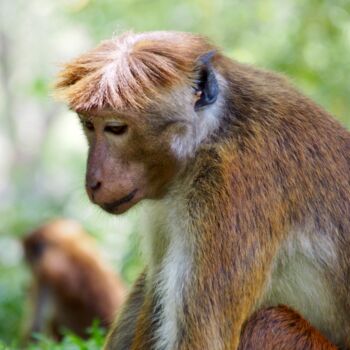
{"x": 245, "y": 183}
{"x": 72, "y": 285}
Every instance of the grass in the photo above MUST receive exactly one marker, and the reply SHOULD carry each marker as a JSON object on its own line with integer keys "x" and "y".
{"x": 69, "y": 342}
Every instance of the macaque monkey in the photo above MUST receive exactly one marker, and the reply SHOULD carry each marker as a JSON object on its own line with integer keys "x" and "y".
{"x": 72, "y": 285}
{"x": 247, "y": 183}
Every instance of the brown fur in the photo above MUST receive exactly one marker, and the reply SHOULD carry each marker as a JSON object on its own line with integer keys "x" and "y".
{"x": 283, "y": 329}
{"x": 69, "y": 273}
{"x": 266, "y": 187}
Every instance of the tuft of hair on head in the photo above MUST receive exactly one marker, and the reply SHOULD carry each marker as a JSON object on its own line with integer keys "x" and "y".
{"x": 130, "y": 71}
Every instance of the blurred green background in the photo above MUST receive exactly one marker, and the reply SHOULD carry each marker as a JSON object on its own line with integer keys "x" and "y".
{"x": 42, "y": 149}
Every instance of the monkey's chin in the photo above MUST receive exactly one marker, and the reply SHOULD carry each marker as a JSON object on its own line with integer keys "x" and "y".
{"x": 120, "y": 209}
{"x": 121, "y": 205}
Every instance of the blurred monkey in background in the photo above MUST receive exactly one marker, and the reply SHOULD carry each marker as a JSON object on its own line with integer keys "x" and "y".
{"x": 72, "y": 284}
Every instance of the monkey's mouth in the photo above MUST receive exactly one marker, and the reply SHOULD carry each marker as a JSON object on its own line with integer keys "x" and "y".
{"x": 113, "y": 206}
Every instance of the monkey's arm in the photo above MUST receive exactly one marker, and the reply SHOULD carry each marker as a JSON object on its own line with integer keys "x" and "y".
{"x": 123, "y": 331}
{"x": 221, "y": 297}
{"x": 40, "y": 299}
{"x": 236, "y": 235}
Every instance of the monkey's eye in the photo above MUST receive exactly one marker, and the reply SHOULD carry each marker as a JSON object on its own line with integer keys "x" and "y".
{"x": 116, "y": 129}
{"x": 35, "y": 250}
{"x": 88, "y": 125}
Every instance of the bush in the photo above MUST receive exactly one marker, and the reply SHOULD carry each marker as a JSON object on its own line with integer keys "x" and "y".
{"x": 73, "y": 342}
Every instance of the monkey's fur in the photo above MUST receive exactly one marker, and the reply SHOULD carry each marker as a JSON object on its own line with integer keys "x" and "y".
{"x": 249, "y": 184}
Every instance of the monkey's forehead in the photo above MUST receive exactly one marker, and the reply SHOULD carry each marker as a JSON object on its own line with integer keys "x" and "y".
{"x": 56, "y": 228}
{"x": 131, "y": 71}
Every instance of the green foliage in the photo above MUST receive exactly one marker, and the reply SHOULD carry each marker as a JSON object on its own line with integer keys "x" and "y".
{"x": 12, "y": 301}
{"x": 3, "y": 346}
{"x": 95, "y": 341}
{"x": 71, "y": 341}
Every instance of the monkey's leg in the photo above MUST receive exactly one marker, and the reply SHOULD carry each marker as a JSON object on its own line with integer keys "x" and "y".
{"x": 122, "y": 332}
{"x": 281, "y": 328}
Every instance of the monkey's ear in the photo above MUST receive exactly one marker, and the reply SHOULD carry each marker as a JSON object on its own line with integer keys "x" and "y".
{"x": 206, "y": 86}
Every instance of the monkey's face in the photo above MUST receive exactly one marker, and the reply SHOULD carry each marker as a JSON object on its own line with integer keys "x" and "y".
{"x": 130, "y": 158}
{"x": 48, "y": 250}
{"x": 137, "y": 147}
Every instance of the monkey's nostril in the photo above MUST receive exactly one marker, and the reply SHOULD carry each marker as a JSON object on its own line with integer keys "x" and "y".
{"x": 95, "y": 185}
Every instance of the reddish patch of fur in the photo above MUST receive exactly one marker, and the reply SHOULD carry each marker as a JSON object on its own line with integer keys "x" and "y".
{"x": 281, "y": 328}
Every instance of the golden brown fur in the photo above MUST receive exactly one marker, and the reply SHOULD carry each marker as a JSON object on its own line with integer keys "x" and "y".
{"x": 249, "y": 185}
{"x": 129, "y": 71}
{"x": 69, "y": 278}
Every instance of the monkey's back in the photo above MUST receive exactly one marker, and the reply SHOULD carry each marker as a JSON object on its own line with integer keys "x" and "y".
{"x": 292, "y": 157}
